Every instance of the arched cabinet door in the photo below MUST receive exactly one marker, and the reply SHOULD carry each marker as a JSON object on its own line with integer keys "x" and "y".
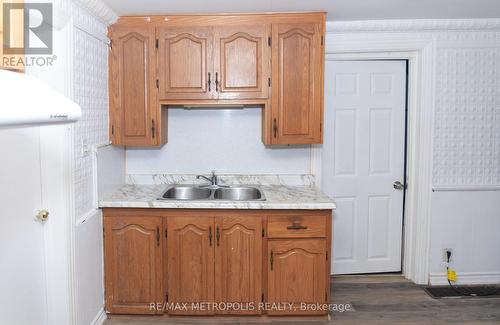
{"x": 297, "y": 60}
{"x": 185, "y": 60}
{"x": 191, "y": 242}
{"x": 238, "y": 261}
{"x": 132, "y": 101}
{"x": 132, "y": 264}
{"x": 242, "y": 61}
{"x": 296, "y": 274}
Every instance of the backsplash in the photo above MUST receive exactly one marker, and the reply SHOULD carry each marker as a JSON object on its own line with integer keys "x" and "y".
{"x": 227, "y": 140}
{"x": 227, "y": 179}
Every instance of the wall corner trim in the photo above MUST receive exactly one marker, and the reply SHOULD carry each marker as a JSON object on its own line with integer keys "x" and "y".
{"x": 100, "y": 10}
{"x": 412, "y": 25}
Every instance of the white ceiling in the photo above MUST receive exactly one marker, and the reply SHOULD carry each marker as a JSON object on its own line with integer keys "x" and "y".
{"x": 337, "y": 9}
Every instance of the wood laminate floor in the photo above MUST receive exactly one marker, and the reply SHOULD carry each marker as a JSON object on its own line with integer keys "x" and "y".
{"x": 376, "y": 300}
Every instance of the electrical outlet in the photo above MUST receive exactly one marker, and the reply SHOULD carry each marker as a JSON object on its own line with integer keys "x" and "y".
{"x": 445, "y": 256}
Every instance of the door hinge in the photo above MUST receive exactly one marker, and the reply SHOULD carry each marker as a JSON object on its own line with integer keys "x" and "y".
{"x": 269, "y": 41}
{"x": 262, "y": 232}
{"x": 269, "y": 82}
{"x": 157, "y": 84}
{"x": 157, "y": 236}
{"x": 321, "y": 40}
{"x": 157, "y": 43}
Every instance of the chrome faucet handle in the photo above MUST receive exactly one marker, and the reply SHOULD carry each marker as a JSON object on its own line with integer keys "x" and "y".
{"x": 214, "y": 178}
{"x": 205, "y": 178}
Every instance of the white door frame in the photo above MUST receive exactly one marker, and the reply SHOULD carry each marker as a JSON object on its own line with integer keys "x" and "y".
{"x": 420, "y": 55}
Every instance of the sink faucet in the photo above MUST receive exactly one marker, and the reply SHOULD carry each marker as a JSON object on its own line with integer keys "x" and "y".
{"x": 214, "y": 180}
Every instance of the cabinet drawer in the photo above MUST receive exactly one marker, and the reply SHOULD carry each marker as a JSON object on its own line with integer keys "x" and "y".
{"x": 301, "y": 225}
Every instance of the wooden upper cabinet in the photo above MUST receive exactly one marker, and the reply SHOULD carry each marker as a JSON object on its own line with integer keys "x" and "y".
{"x": 274, "y": 60}
{"x": 297, "y": 99}
{"x": 297, "y": 273}
{"x": 242, "y": 61}
{"x": 134, "y": 109}
{"x": 238, "y": 261}
{"x": 133, "y": 263}
{"x": 190, "y": 272}
{"x": 185, "y": 63}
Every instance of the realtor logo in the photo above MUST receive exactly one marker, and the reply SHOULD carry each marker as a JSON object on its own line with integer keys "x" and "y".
{"x": 36, "y": 33}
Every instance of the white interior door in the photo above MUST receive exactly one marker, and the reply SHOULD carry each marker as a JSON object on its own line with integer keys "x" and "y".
{"x": 23, "y": 298}
{"x": 363, "y": 155}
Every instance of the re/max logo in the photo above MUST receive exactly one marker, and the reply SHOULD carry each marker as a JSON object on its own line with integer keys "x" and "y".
{"x": 34, "y": 36}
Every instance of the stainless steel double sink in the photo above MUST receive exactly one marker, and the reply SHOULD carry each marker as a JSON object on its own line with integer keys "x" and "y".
{"x": 194, "y": 192}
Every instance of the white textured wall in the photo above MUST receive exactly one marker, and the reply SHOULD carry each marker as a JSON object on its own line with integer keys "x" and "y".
{"x": 467, "y": 115}
{"x": 90, "y": 90}
{"x": 467, "y": 154}
{"x": 225, "y": 140}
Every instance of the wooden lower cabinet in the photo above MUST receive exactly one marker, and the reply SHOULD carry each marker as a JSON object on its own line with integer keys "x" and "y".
{"x": 206, "y": 262}
{"x": 133, "y": 264}
{"x": 296, "y": 275}
{"x": 190, "y": 242}
{"x": 238, "y": 263}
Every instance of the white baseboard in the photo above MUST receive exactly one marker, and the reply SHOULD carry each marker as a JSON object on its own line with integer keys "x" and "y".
{"x": 466, "y": 278}
{"x": 99, "y": 318}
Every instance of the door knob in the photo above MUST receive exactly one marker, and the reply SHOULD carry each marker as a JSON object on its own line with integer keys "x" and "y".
{"x": 42, "y": 215}
{"x": 398, "y": 185}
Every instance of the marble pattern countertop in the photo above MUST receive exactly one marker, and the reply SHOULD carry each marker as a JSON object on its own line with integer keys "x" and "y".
{"x": 277, "y": 197}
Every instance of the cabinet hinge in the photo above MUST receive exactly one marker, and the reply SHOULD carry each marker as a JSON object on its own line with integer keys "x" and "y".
{"x": 157, "y": 43}
{"x": 320, "y": 127}
{"x": 269, "y": 41}
{"x": 262, "y": 232}
{"x": 269, "y": 82}
{"x": 166, "y": 233}
{"x": 262, "y": 298}
{"x": 327, "y": 256}
{"x": 157, "y": 83}
{"x": 112, "y": 129}
{"x": 322, "y": 40}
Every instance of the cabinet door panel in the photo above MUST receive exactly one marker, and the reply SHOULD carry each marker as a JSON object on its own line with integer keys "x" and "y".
{"x": 242, "y": 61}
{"x": 297, "y": 82}
{"x": 238, "y": 261}
{"x": 133, "y": 261}
{"x": 190, "y": 262}
{"x": 132, "y": 103}
{"x": 185, "y": 60}
{"x": 297, "y": 273}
